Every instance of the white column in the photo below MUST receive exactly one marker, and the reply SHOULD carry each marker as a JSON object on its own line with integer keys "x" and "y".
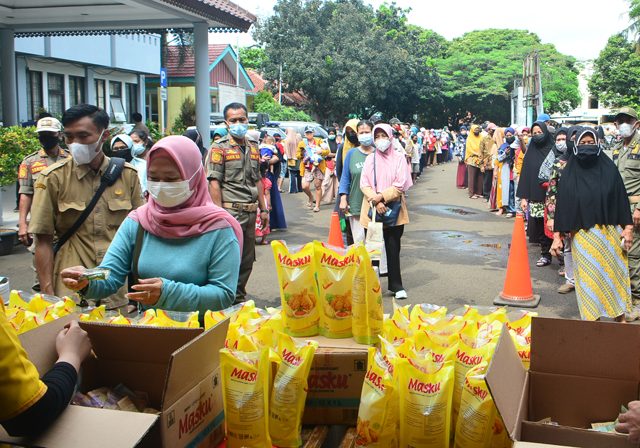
{"x": 65, "y": 88}
{"x": 142, "y": 104}
{"x": 89, "y": 86}
{"x": 203, "y": 101}
{"x": 23, "y": 86}
{"x": 8, "y": 80}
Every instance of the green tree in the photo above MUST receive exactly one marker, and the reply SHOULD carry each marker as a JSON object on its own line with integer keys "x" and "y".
{"x": 186, "y": 118}
{"x": 480, "y": 67}
{"x": 616, "y": 74}
{"x": 347, "y": 58}
{"x": 264, "y": 103}
{"x": 252, "y": 57}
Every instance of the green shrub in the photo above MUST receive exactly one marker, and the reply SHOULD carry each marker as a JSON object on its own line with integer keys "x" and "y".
{"x": 186, "y": 118}
{"x": 16, "y": 143}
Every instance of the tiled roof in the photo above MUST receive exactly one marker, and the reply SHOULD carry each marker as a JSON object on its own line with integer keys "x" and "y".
{"x": 187, "y": 68}
{"x": 223, "y": 11}
{"x": 258, "y": 81}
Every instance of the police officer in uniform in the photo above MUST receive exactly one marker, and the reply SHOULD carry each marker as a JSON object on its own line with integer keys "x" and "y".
{"x": 48, "y": 130}
{"x": 626, "y": 156}
{"x": 64, "y": 190}
{"x": 233, "y": 171}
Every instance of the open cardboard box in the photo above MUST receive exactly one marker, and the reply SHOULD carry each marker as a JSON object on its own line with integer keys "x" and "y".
{"x": 335, "y": 382}
{"x": 177, "y": 367}
{"x": 581, "y": 373}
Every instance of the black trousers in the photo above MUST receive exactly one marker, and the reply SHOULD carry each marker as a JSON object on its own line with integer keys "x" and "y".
{"x": 431, "y": 155}
{"x": 487, "y": 183}
{"x": 392, "y": 237}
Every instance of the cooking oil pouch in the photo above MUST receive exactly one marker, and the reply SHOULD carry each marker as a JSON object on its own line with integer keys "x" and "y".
{"x": 95, "y": 315}
{"x": 335, "y": 270}
{"x": 522, "y": 341}
{"x": 379, "y": 405}
{"x": 425, "y": 391}
{"x": 239, "y": 340}
{"x": 425, "y": 314}
{"x": 246, "y": 377}
{"x": 367, "y": 312}
{"x": 298, "y": 289}
{"x": 522, "y": 323}
{"x": 177, "y": 319}
{"x": 478, "y": 424}
{"x": 397, "y": 326}
{"x": 289, "y": 391}
{"x": 474, "y": 347}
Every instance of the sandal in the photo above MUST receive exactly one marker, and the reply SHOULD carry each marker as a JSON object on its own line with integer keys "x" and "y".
{"x": 543, "y": 261}
{"x": 509, "y": 215}
{"x": 316, "y": 209}
{"x": 309, "y": 204}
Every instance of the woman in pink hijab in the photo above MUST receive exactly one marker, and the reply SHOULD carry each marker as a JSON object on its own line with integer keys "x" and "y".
{"x": 188, "y": 248}
{"x": 385, "y": 179}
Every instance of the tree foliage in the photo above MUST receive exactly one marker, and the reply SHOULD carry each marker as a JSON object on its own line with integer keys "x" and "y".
{"x": 187, "y": 116}
{"x": 616, "y": 74}
{"x": 265, "y": 103}
{"x": 480, "y": 67}
{"x": 351, "y": 59}
{"x": 252, "y": 57}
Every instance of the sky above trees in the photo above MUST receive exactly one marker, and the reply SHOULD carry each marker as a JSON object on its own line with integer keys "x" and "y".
{"x": 573, "y": 26}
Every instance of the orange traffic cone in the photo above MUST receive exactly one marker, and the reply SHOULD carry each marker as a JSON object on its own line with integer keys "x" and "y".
{"x": 335, "y": 234}
{"x": 517, "y": 290}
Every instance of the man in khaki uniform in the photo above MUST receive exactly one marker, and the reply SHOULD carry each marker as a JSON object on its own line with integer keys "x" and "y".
{"x": 48, "y": 130}
{"x": 233, "y": 171}
{"x": 64, "y": 190}
{"x": 626, "y": 156}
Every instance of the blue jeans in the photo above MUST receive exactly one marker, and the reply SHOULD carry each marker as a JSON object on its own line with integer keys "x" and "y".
{"x": 511, "y": 208}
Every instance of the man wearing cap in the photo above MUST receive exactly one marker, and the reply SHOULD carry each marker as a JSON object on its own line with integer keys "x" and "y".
{"x": 626, "y": 155}
{"x": 486, "y": 157}
{"x": 64, "y": 190}
{"x": 48, "y": 130}
{"x": 235, "y": 183}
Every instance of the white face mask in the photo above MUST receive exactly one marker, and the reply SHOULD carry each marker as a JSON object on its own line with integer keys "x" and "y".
{"x": 626, "y": 130}
{"x": 137, "y": 149}
{"x": 84, "y": 154}
{"x": 383, "y": 144}
{"x": 170, "y": 194}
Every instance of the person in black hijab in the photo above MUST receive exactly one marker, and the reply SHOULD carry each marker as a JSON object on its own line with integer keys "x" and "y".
{"x": 195, "y": 136}
{"x": 531, "y": 193}
{"x": 593, "y": 206}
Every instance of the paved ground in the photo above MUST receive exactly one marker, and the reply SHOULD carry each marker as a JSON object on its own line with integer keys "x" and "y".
{"x": 454, "y": 251}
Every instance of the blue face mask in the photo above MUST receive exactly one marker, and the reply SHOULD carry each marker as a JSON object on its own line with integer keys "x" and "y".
{"x": 238, "y": 130}
{"x": 137, "y": 149}
{"x": 365, "y": 139}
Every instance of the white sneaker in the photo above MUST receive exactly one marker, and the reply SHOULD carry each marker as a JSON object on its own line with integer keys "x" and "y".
{"x": 401, "y": 295}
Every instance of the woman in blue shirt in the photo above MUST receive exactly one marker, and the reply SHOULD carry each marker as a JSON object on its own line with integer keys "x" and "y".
{"x": 190, "y": 252}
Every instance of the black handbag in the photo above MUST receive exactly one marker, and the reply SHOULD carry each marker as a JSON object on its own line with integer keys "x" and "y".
{"x": 390, "y": 217}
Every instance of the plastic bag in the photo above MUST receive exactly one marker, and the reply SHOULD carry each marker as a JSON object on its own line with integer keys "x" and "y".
{"x": 378, "y": 412}
{"x": 374, "y": 239}
{"x": 367, "y": 312}
{"x": 426, "y": 391}
{"x": 245, "y": 393}
{"x": 298, "y": 291}
{"x": 290, "y": 391}
{"x": 335, "y": 270}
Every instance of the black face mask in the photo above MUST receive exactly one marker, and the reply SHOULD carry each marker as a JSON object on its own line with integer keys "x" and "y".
{"x": 510, "y": 139}
{"x": 353, "y": 138}
{"x": 586, "y": 152}
{"x": 122, "y": 154}
{"x": 476, "y": 133}
{"x": 539, "y": 138}
{"x": 48, "y": 141}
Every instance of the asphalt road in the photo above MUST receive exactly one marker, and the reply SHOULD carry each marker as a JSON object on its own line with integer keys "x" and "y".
{"x": 454, "y": 252}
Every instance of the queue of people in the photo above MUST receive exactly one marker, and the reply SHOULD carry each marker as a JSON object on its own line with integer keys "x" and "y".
{"x": 579, "y": 202}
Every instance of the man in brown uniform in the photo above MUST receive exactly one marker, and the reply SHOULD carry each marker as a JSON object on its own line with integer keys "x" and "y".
{"x": 626, "y": 156}
{"x": 233, "y": 171}
{"x": 48, "y": 130}
{"x": 64, "y": 190}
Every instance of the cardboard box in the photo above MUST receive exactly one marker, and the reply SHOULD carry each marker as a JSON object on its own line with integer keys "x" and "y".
{"x": 581, "y": 373}
{"x": 335, "y": 382}
{"x": 177, "y": 367}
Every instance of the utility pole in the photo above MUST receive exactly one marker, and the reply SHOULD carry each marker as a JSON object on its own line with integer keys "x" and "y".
{"x": 280, "y": 86}
{"x": 532, "y": 84}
